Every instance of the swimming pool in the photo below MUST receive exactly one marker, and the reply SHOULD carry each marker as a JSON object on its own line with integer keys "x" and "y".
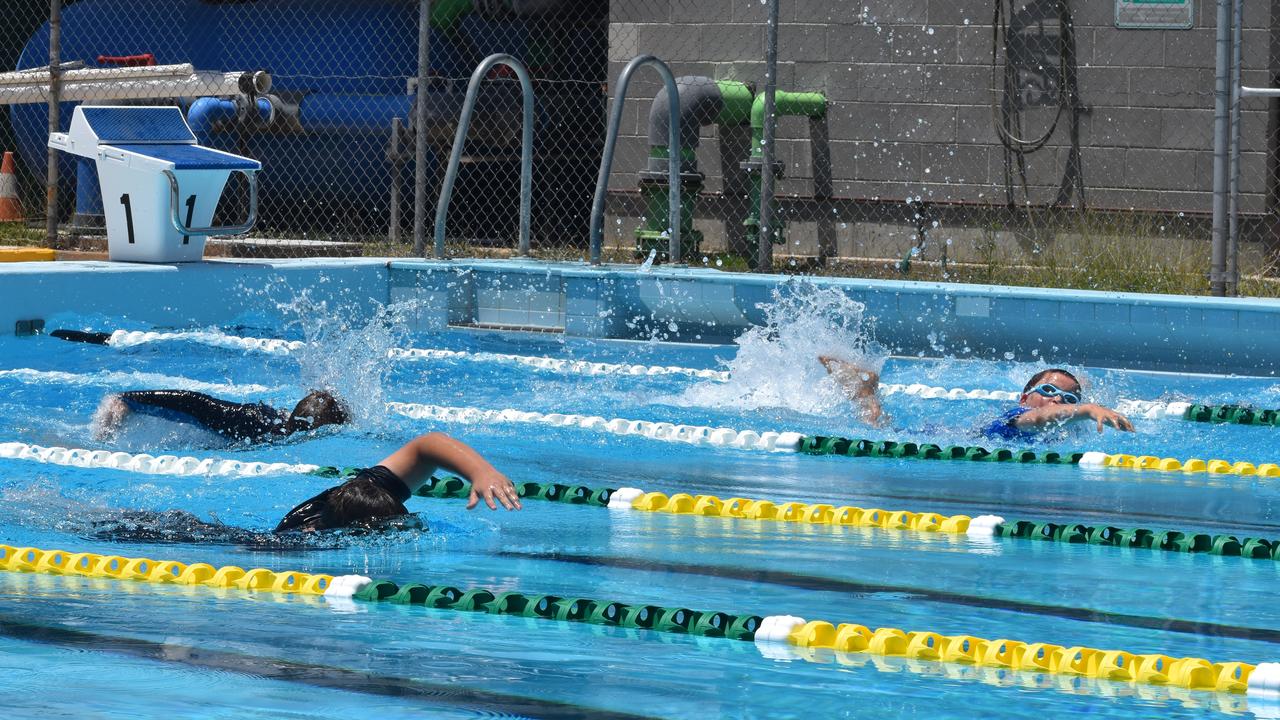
{"x": 149, "y": 650}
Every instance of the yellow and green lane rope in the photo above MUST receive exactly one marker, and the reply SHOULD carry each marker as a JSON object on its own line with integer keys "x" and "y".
{"x": 1116, "y": 665}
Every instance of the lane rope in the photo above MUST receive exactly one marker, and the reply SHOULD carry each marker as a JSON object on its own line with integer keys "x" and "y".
{"x": 686, "y": 504}
{"x": 1097, "y": 460}
{"x": 1093, "y": 460}
{"x": 132, "y": 338}
{"x": 1116, "y": 665}
{"x": 786, "y": 441}
{"x": 578, "y": 367}
{"x": 1149, "y": 409}
{"x": 661, "y": 431}
{"x": 981, "y": 526}
{"x": 144, "y": 379}
{"x": 186, "y": 465}
{"x": 60, "y": 562}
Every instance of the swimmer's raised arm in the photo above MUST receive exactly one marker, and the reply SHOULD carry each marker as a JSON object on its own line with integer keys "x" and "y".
{"x": 417, "y": 459}
{"x": 859, "y": 384}
{"x": 1050, "y": 414}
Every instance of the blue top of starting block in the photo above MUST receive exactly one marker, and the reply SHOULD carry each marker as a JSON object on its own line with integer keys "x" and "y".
{"x": 137, "y": 124}
{"x": 192, "y": 157}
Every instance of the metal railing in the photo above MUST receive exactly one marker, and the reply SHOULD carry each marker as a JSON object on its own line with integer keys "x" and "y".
{"x": 460, "y": 140}
{"x": 611, "y": 140}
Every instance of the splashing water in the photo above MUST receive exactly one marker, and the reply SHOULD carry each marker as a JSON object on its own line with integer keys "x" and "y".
{"x": 777, "y": 363}
{"x": 347, "y": 357}
{"x": 647, "y": 265}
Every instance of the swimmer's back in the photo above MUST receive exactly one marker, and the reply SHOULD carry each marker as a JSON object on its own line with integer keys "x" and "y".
{"x": 250, "y": 422}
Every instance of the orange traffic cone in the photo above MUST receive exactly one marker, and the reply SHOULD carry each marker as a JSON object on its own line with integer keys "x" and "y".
{"x": 10, "y": 208}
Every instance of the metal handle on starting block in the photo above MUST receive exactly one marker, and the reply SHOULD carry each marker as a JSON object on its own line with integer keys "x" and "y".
{"x": 246, "y": 226}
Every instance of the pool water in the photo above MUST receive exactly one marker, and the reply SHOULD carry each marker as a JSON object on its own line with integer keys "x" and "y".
{"x": 143, "y": 650}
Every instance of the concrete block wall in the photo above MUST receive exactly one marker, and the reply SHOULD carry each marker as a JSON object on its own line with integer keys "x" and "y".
{"x": 909, "y": 84}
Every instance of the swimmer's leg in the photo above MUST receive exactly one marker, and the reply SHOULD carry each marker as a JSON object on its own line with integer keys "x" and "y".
{"x": 859, "y": 384}
{"x": 108, "y": 417}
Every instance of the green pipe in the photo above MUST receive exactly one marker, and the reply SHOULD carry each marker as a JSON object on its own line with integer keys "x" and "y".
{"x": 802, "y": 104}
{"x": 445, "y": 13}
{"x": 737, "y": 101}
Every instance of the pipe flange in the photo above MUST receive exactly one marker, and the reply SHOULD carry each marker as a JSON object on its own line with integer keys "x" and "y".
{"x": 753, "y": 166}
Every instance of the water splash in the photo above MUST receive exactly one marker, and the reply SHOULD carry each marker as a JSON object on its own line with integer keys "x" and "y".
{"x": 777, "y": 363}
{"x": 347, "y": 354}
{"x": 647, "y": 265}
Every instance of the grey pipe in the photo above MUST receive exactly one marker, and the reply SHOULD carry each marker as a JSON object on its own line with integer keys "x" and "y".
{"x": 1221, "y": 140}
{"x": 460, "y": 139}
{"x": 673, "y": 154}
{"x": 55, "y": 88}
{"x": 699, "y": 102}
{"x": 1233, "y": 190}
{"x": 424, "y": 65}
{"x": 764, "y": 259}
{"x": 393, "y": 202}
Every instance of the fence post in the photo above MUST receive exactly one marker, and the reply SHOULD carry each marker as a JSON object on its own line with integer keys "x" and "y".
{"x": 420, "y": 131}
{"x": 764, "y": 238}
{"x": 55, "y": 92}
{"x": 1221, "y": 141}
{"x": 1233, "y": 184}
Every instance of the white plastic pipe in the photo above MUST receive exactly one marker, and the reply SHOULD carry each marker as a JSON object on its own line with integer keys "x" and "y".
{"x": 160, "y": 81}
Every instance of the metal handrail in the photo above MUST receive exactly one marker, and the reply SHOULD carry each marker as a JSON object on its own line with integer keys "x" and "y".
{"x": 459, "y": 139}
{"x": 175, "y": 201}
{"x": 673, "y": 155}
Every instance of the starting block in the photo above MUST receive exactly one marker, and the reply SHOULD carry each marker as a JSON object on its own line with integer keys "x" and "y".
{"x": 159, "y": 188}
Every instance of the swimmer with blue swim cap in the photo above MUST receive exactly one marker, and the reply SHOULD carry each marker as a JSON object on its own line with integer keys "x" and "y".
{"x": 1052, "y": 398}
{"x": 237, "y": 422}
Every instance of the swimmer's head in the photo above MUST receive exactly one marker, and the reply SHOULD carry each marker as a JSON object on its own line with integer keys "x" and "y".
{"x": 1062, "y": 385}
{"x": 359, "y": 502}
{"x": 317, "y": 409}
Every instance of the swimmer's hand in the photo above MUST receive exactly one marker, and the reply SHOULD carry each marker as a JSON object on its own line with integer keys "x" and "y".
{"x": 493, "y": 485}
{"x": 1106, "y": 416}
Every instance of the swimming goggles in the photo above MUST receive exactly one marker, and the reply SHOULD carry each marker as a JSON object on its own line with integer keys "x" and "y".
{"x": 1051, "y": 390}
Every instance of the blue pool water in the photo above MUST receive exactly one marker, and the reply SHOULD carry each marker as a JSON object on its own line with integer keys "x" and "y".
{"x": 140, "y": 650}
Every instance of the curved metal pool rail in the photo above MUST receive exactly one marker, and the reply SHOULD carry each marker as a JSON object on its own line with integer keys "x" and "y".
{"x": 460, "y": 139}
{"x": 238, "y": 229}
{"x": 673, "y": 155}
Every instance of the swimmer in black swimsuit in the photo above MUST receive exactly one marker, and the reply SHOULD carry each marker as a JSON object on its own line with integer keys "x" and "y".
{"x": 238, "y": 422}
{"x": 372, "y": 500}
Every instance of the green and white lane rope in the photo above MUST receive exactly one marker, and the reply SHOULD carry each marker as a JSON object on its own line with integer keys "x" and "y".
{"x": 787, "y": 441}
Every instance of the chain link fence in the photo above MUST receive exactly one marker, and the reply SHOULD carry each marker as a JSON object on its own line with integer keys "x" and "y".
{"x": 1054, "y": 141}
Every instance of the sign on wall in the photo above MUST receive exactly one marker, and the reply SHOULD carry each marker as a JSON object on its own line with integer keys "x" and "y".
{"x": 1155, "y": 14}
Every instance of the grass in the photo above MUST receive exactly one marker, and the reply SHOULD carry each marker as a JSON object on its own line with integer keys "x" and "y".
{"x": 17, "y": 233}
{"x": 1111, "y": 253}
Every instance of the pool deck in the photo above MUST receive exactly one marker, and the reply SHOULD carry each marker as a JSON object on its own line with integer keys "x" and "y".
{"x": 1153, "y": 332}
